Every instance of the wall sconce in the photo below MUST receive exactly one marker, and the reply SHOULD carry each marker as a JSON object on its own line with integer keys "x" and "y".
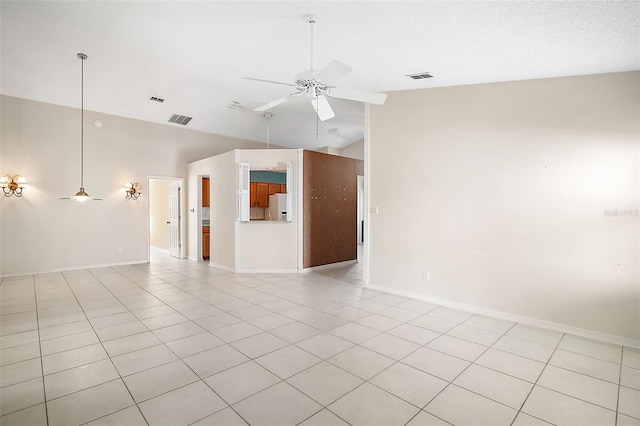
{"x": 132, "y": 190}
{"x": 12, "y": 185}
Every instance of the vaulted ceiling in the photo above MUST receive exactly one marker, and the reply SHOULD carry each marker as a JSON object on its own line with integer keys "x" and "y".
{"x": 197, "y": 55}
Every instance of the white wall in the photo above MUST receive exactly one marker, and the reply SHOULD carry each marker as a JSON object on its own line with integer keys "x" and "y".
{"x": 41, "y": 141}
{"x": 255, "y": 246}
{"x": 354, "y": 150}
{"x": 268, "y": 245}
{"x": 221, "y": 170}
{"x": 500, "y": 192}
{"x": 329, "y": 150}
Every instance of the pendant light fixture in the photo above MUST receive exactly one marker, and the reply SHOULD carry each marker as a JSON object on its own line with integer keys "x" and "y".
{"x": 268, "y": 116}
{"x": 81, "y": 195}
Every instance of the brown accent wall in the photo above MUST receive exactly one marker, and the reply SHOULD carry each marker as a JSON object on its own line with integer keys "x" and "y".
{"x": 330, "y": 201}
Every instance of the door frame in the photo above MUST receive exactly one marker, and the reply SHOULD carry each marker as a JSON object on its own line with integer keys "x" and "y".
{"x": 199, "y": 217}
{"x": 181, "y": 211}
{"x": 360, "y": 207}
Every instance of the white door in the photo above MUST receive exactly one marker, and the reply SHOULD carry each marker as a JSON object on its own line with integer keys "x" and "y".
{"x": 174, "y": 219}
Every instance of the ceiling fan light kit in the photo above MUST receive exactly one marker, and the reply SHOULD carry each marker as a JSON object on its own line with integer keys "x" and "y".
{"x": 317, "y": 85}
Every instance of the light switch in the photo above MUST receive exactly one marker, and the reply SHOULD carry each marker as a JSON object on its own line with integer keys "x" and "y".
{"x": 373, "y": 210}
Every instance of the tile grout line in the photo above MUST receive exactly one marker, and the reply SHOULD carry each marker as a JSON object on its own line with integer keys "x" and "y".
{"x": 417, "y": 349}
{"x": 105, "y": 350}
{"x": 44, "y": 388}
{"x": 196, "y": 293}
{"x": 619, "y": 385}
{"x": 228, "y": 405}
{"x": 537, "y": 379}
{"x": 380, "y": 333}
{"x": 294, "y": 344}
{"x": 450, "y": 382}
{"x": 199, "y": 379}
{"x": 384, "y": 332}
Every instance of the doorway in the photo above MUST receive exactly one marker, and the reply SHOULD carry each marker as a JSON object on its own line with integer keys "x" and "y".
{"x": 204, "y": 204}
{"x": 166, "y": 227}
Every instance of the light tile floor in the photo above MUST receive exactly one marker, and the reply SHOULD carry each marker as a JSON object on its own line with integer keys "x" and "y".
{"x": 175, "y": 342}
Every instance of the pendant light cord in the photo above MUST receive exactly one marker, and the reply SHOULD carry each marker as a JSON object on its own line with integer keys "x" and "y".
{"x": 82, "y": 125}
{"x": 268, "y": 132}
{"x": 268, "y": 116}
{"x": 82, "y": 56}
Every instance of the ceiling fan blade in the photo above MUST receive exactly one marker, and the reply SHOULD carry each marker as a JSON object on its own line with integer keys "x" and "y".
{"x": 335, "y": 70}
{"x": 357, "y": 95}
{"x": 322, "y": 107}
{"x": 270, "y": 81}
{"x": 272, "y": 104}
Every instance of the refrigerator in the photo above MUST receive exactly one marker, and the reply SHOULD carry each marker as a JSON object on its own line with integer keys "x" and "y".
{"x": 277, "y": 209}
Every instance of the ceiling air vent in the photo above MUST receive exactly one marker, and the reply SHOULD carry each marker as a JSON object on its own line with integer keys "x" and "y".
{"x": 420, "y": 76}
{"x": 180, "y": 119}
{"x": 156, "y": 99}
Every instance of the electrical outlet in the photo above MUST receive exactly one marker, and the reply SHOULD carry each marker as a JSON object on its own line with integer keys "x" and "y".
{"x": 426, "y": 275}
{"x": 119, "y": 249}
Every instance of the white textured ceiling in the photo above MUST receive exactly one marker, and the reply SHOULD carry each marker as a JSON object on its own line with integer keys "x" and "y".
{"x": 195, "y": 54}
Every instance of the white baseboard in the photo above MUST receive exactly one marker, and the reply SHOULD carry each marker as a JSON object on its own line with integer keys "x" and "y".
{"x": 197, "y": 259}
{"x": 283, "y": 271}
{"x": 266, "y": 271}
{"x": 563, "y": 328}
{"x": 73, "y": 268}
{"x": 104, "y": 265}
{"x": 223, "y": 267}
{"x": 330, "y": 265}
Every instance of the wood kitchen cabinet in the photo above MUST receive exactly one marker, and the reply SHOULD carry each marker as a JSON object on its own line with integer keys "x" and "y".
{"x": 274, "y": 188}
{"x": 259, "y": 194}
{"x": 253, "y": 194}
{"x": 206, "y": 197}
{"x": 283, "y": 188}
{"x": 206, "y": 242}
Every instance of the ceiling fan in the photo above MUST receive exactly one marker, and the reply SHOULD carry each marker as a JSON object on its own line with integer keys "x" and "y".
{"x": 317, "y": 85}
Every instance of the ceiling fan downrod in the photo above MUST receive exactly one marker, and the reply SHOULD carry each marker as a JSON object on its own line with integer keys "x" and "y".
{"x": 311, "y": 19}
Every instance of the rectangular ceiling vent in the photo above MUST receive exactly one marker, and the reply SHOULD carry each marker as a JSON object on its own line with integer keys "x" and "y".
{"x": 420, "y": 76}
{"x": 180, "y": 119}
{"x": 156, "y": 99}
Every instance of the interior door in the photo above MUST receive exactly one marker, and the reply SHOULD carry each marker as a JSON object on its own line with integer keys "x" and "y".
{"x": 174, "y": 219}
